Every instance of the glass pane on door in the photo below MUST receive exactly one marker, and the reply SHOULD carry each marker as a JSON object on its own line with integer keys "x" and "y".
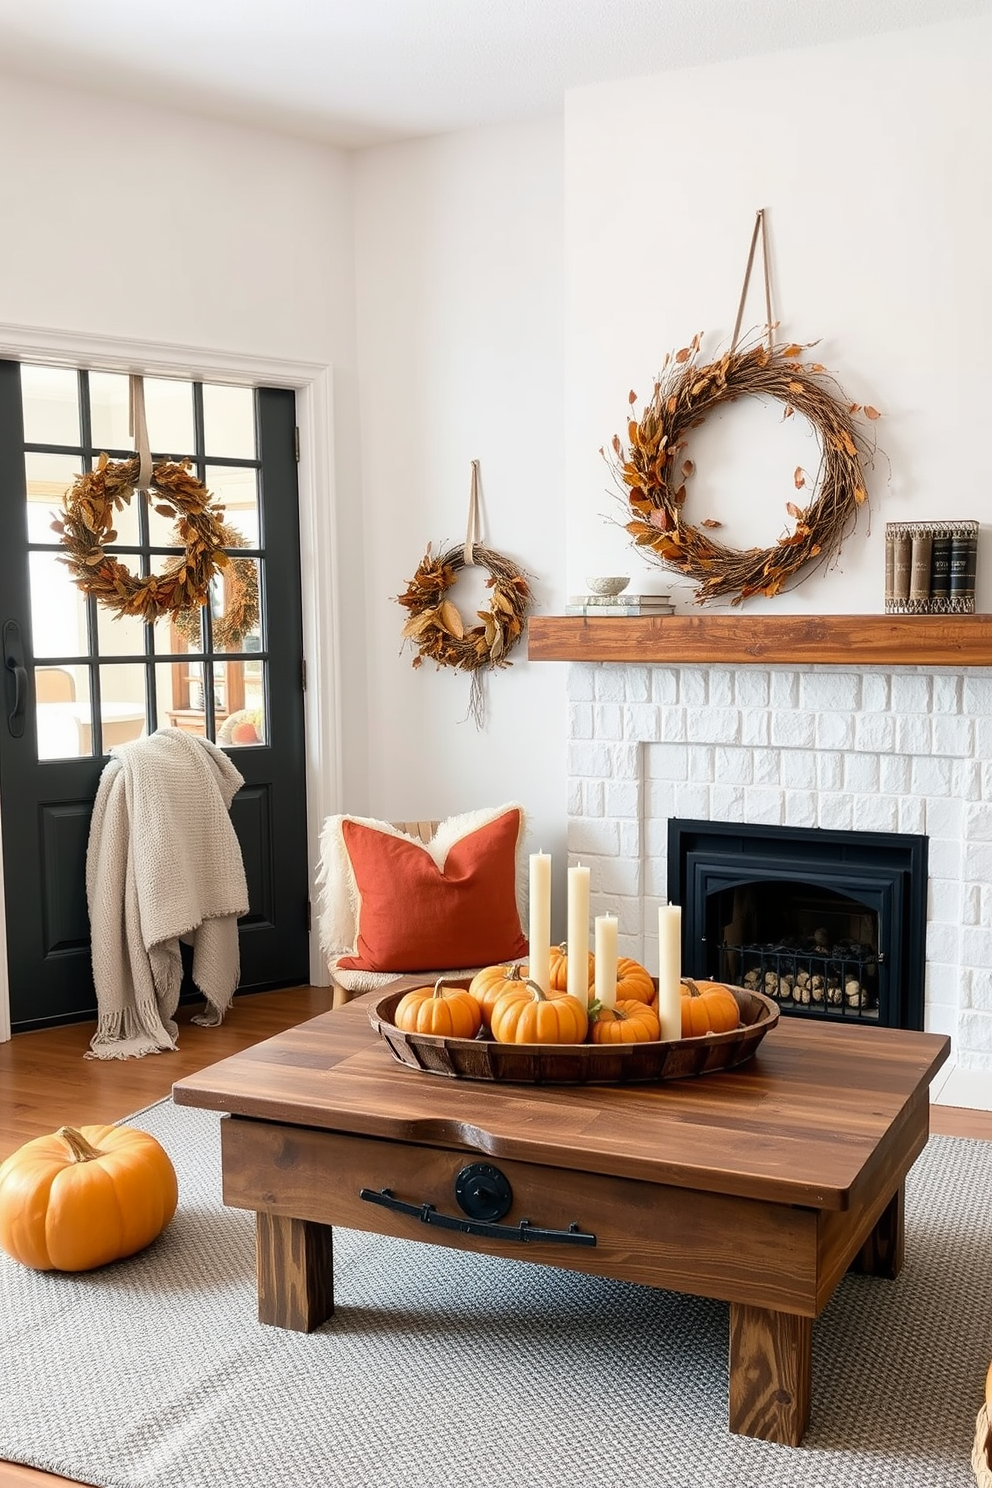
{"x": 229, "y": 421}
{"x": 60, "y": 692}
{"x": 110, "y": 411}
{"x": 58, "y": 609}
{"x": 122, "y": 707}
{"x": 119, "y": 635}
{"x": 169, "y": 415}
{"x": 180, "y": 695}
{"x": 248, "y": 724}
{"x": 234, "y": 607}
{"x": 162, "y": 532}
{"x": 47, "y": 478}
{"x": 50, "y": 404}
{"x": 235, "y": 488}
{"x": 178, "y": 633}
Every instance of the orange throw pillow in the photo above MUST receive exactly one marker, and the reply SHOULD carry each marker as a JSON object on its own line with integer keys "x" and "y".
{"x": 416, "y": 916}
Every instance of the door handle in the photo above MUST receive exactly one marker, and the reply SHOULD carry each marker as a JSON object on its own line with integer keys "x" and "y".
{"x": 13, "y": 660}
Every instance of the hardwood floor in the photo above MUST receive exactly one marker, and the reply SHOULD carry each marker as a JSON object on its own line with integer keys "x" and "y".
{"x": 958, "y": 1121}
{"x": 45, "y": 1083}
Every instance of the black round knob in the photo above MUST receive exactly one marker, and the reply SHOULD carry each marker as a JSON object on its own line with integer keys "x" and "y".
{"x": 483, "y": 1192}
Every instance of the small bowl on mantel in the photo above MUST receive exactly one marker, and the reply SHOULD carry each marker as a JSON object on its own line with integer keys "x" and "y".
{"x": 609, "y": 587}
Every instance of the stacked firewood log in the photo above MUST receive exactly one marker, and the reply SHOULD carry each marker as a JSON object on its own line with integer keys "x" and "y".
{"x": 803, "y": 986}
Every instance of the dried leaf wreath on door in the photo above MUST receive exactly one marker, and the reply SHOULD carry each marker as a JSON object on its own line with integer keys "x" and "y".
{"x": 654, "y": 469}
{"x": 436, "y": 628}
{"x": 86, "y": 526}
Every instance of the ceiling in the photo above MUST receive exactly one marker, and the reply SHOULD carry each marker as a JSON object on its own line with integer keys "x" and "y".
{"x": 360, "y": 72}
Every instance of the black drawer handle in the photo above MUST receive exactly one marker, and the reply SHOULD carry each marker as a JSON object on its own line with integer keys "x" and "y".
{"x": 427, "y": 1214}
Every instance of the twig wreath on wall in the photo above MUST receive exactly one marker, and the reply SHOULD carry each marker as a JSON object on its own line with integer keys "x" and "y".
{"x": 653, "y": 467}
{"x": 86, "y": 525}
{"x": 436, "y": 628}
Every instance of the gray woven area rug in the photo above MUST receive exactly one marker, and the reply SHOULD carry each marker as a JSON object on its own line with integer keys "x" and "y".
{"x": 462, "y": 1371}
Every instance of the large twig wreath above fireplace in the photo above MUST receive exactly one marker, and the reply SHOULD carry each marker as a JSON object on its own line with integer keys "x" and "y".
{"x": 653, "y": 467}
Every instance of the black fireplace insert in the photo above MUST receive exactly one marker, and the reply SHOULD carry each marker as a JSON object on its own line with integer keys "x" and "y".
{"x": 831, "y": 924}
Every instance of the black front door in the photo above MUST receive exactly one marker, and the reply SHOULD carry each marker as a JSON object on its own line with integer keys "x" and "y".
{"x": 77, "y": 680}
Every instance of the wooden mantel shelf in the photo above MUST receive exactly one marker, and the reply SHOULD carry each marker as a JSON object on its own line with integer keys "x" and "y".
{"x": 772, "y": 640}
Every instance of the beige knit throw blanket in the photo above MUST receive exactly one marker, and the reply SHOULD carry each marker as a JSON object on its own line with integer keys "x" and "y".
{"x": 162, "y": 863}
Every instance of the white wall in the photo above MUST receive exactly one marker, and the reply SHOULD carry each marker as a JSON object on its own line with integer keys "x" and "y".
{"x": 142, "y": 223}
{"x": 459, "y": 323}
{"x": 871, "y": 160}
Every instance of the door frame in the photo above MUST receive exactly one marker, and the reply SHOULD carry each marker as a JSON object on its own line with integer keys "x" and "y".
{"x": 313, "y": 385}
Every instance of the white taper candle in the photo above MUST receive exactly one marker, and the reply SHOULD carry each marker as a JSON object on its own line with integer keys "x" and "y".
{"x": 578, "y": 934}
{"x": 606, "y": 960}
{"x": 539, "y": 937}
{"x": 670, "y": 970}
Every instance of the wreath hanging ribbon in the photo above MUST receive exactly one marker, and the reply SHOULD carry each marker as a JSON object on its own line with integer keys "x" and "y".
{"x": 653, "y": 467}
{"x": 85, "y": 525}
{"x": 137, "y": 425}
{"x": 436, "y": 627}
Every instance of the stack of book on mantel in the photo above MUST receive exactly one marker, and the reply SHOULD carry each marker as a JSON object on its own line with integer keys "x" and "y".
{"x": 619, "y": 604}
{"x": 930, "y": 568}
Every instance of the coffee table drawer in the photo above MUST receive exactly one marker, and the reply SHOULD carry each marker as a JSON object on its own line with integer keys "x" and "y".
{"x": 712, "y": 1245}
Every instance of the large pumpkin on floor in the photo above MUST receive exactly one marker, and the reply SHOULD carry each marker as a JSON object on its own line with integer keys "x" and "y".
{"x": 629, "y": 1022}
{"x": 708, "y": 1007}
{"x": 525, "y": 1016}
{"x": 446, "y": 1009}
{"x": 78, "y": 1199}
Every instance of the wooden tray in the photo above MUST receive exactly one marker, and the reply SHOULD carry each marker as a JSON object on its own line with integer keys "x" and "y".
{"x": 577, "y": 1064}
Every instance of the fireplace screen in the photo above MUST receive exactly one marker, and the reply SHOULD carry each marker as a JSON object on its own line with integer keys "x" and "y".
{"x": 830, "y": 924}
{"x": 816, "y": 949}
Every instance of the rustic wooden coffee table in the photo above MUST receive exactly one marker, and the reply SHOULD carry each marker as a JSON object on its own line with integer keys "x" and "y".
{"x": 759, "y": 1186}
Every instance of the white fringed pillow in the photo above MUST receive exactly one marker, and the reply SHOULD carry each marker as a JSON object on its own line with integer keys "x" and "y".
{"x": 389, "y": 903}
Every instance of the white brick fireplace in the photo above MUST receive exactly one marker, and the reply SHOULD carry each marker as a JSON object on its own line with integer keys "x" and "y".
{"x": 900, "y": 750}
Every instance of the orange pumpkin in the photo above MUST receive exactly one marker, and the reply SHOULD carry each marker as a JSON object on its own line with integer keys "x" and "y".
{"x": 78, "y": 1199}
{"x": 558, "y": 966}
{"x": 630, "y": 1022}
{"x": 489, "y": 984}
{"x": 446, "y": 1009}
{"x": 634, "y": 981}
{"x": 524, "y": 1015}
{"x": 708, "y": 1007}
{"x": 559, "y": 969}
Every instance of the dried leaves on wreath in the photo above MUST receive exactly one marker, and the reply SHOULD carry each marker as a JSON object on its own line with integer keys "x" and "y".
{"x": 241, "y": 613}
{"x": 436, "y": 627}
{"x": 86, "y": 527}
{"x": 652, "y": 467}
